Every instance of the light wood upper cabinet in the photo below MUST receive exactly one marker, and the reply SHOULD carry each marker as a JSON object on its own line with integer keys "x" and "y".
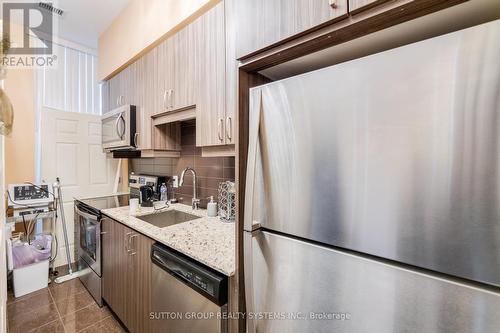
{"x": 148, "y": 78}
{"x": 105, "y": 97}
{"x": 176, "y": 72}
{"x": 210, "y": 53}
{"x": 184, "y": 71}
{"x": 128, "y": 85}
{"x": 147, "y": 97}
{"x": 196, "y": 67}
{"x": 143, "y": 110}
{"x": 114, "y": 91}
{"x": 216, "y": 78}
{"x": 258, "y": 24}
{"x": 231, "y": 80}
{"x": 165, "y": 82}
{"x": 120, "y": 88}
{"x": 262, "y": 23}
{"x": 146, "y": 84}
{"x": 359, "y": 5}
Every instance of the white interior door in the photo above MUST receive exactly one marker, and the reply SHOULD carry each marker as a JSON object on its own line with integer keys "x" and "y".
{"x": 71, "y": 150}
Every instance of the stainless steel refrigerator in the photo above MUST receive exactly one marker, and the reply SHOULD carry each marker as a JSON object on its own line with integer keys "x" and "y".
{"x": 373, "y": 193}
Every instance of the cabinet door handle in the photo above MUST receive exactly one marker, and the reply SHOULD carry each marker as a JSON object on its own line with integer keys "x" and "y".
{"x": 136, "y": 136}
{"x": 121, "y": 99}
{"x": 219, "y": 129}
{"x": 127, "y": 241}
{"x": 165, "y": 99}
{"x": 332, "y": 3}
{"x": 170, "y": 103}
{"x": 117, "y": 101}
{"x": 134, "y": 250}
{"x": 229, "y": 128}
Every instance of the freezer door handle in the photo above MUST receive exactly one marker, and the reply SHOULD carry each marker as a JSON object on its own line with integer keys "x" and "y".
{"x": 253, "y": 139}
{"x": 255, "y": 226}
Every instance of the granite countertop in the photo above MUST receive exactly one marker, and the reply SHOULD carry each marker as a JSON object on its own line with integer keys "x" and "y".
{"x": 206, "y": 239}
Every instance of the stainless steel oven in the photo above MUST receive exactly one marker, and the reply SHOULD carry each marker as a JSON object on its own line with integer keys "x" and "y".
{"x": 89, "y": 247}
{"x": 119, "y": 128}
{"x": 88, "y": 239}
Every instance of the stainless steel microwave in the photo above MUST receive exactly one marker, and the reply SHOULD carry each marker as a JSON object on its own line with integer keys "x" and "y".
{"x": 119, "y": 128}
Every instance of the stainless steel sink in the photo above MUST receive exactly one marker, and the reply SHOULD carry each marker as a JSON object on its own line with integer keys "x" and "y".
{"x": 167, "y": 218}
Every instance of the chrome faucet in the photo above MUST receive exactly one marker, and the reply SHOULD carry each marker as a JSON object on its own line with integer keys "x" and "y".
{"x": 195, "y": 202}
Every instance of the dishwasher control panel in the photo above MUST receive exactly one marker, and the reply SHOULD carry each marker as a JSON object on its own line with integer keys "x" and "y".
{"x": 199, "y": 277}
{"x": 199, "y": 281}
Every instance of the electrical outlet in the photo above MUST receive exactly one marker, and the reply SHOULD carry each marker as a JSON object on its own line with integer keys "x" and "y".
{"x": 175, "y": 182}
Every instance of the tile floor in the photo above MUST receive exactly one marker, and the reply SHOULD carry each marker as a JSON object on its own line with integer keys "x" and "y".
{"x": 66, "y": 307}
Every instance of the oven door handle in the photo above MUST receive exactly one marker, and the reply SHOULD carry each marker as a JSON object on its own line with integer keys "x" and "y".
{"x": 86, "y": 215}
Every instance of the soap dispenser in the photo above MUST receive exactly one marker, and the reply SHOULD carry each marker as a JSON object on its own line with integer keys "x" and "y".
{"x": 212, "y": 207}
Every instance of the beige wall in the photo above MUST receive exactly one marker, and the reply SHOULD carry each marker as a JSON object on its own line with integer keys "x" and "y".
{"x": 139, "y": 26}
{"x": 20, "y": 144}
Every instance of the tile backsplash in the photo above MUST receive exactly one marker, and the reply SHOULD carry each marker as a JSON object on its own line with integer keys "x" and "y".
{"x": 210, "y": 171}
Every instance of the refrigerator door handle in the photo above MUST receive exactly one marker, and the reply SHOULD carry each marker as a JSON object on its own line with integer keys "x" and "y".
{"x": 253, "y": 140}
{"x": 250, "y": 308}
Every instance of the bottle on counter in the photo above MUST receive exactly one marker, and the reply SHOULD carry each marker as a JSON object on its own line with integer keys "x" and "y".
{"x": 212, "y": 207}
{"x": 163, "y": 192}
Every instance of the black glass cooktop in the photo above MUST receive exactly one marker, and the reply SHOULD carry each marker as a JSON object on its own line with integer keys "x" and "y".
{"x": 95, "y": 205}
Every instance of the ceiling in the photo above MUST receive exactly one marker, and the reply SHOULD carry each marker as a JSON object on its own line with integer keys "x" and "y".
{"x": 84, "y": 20}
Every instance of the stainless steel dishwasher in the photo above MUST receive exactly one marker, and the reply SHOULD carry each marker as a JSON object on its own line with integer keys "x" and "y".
{"x": 187, "y": 296}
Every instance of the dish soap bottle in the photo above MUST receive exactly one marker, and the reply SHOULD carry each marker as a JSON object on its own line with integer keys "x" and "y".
{"x": 212, "y": 207}
{"x": 163, "y": 192}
